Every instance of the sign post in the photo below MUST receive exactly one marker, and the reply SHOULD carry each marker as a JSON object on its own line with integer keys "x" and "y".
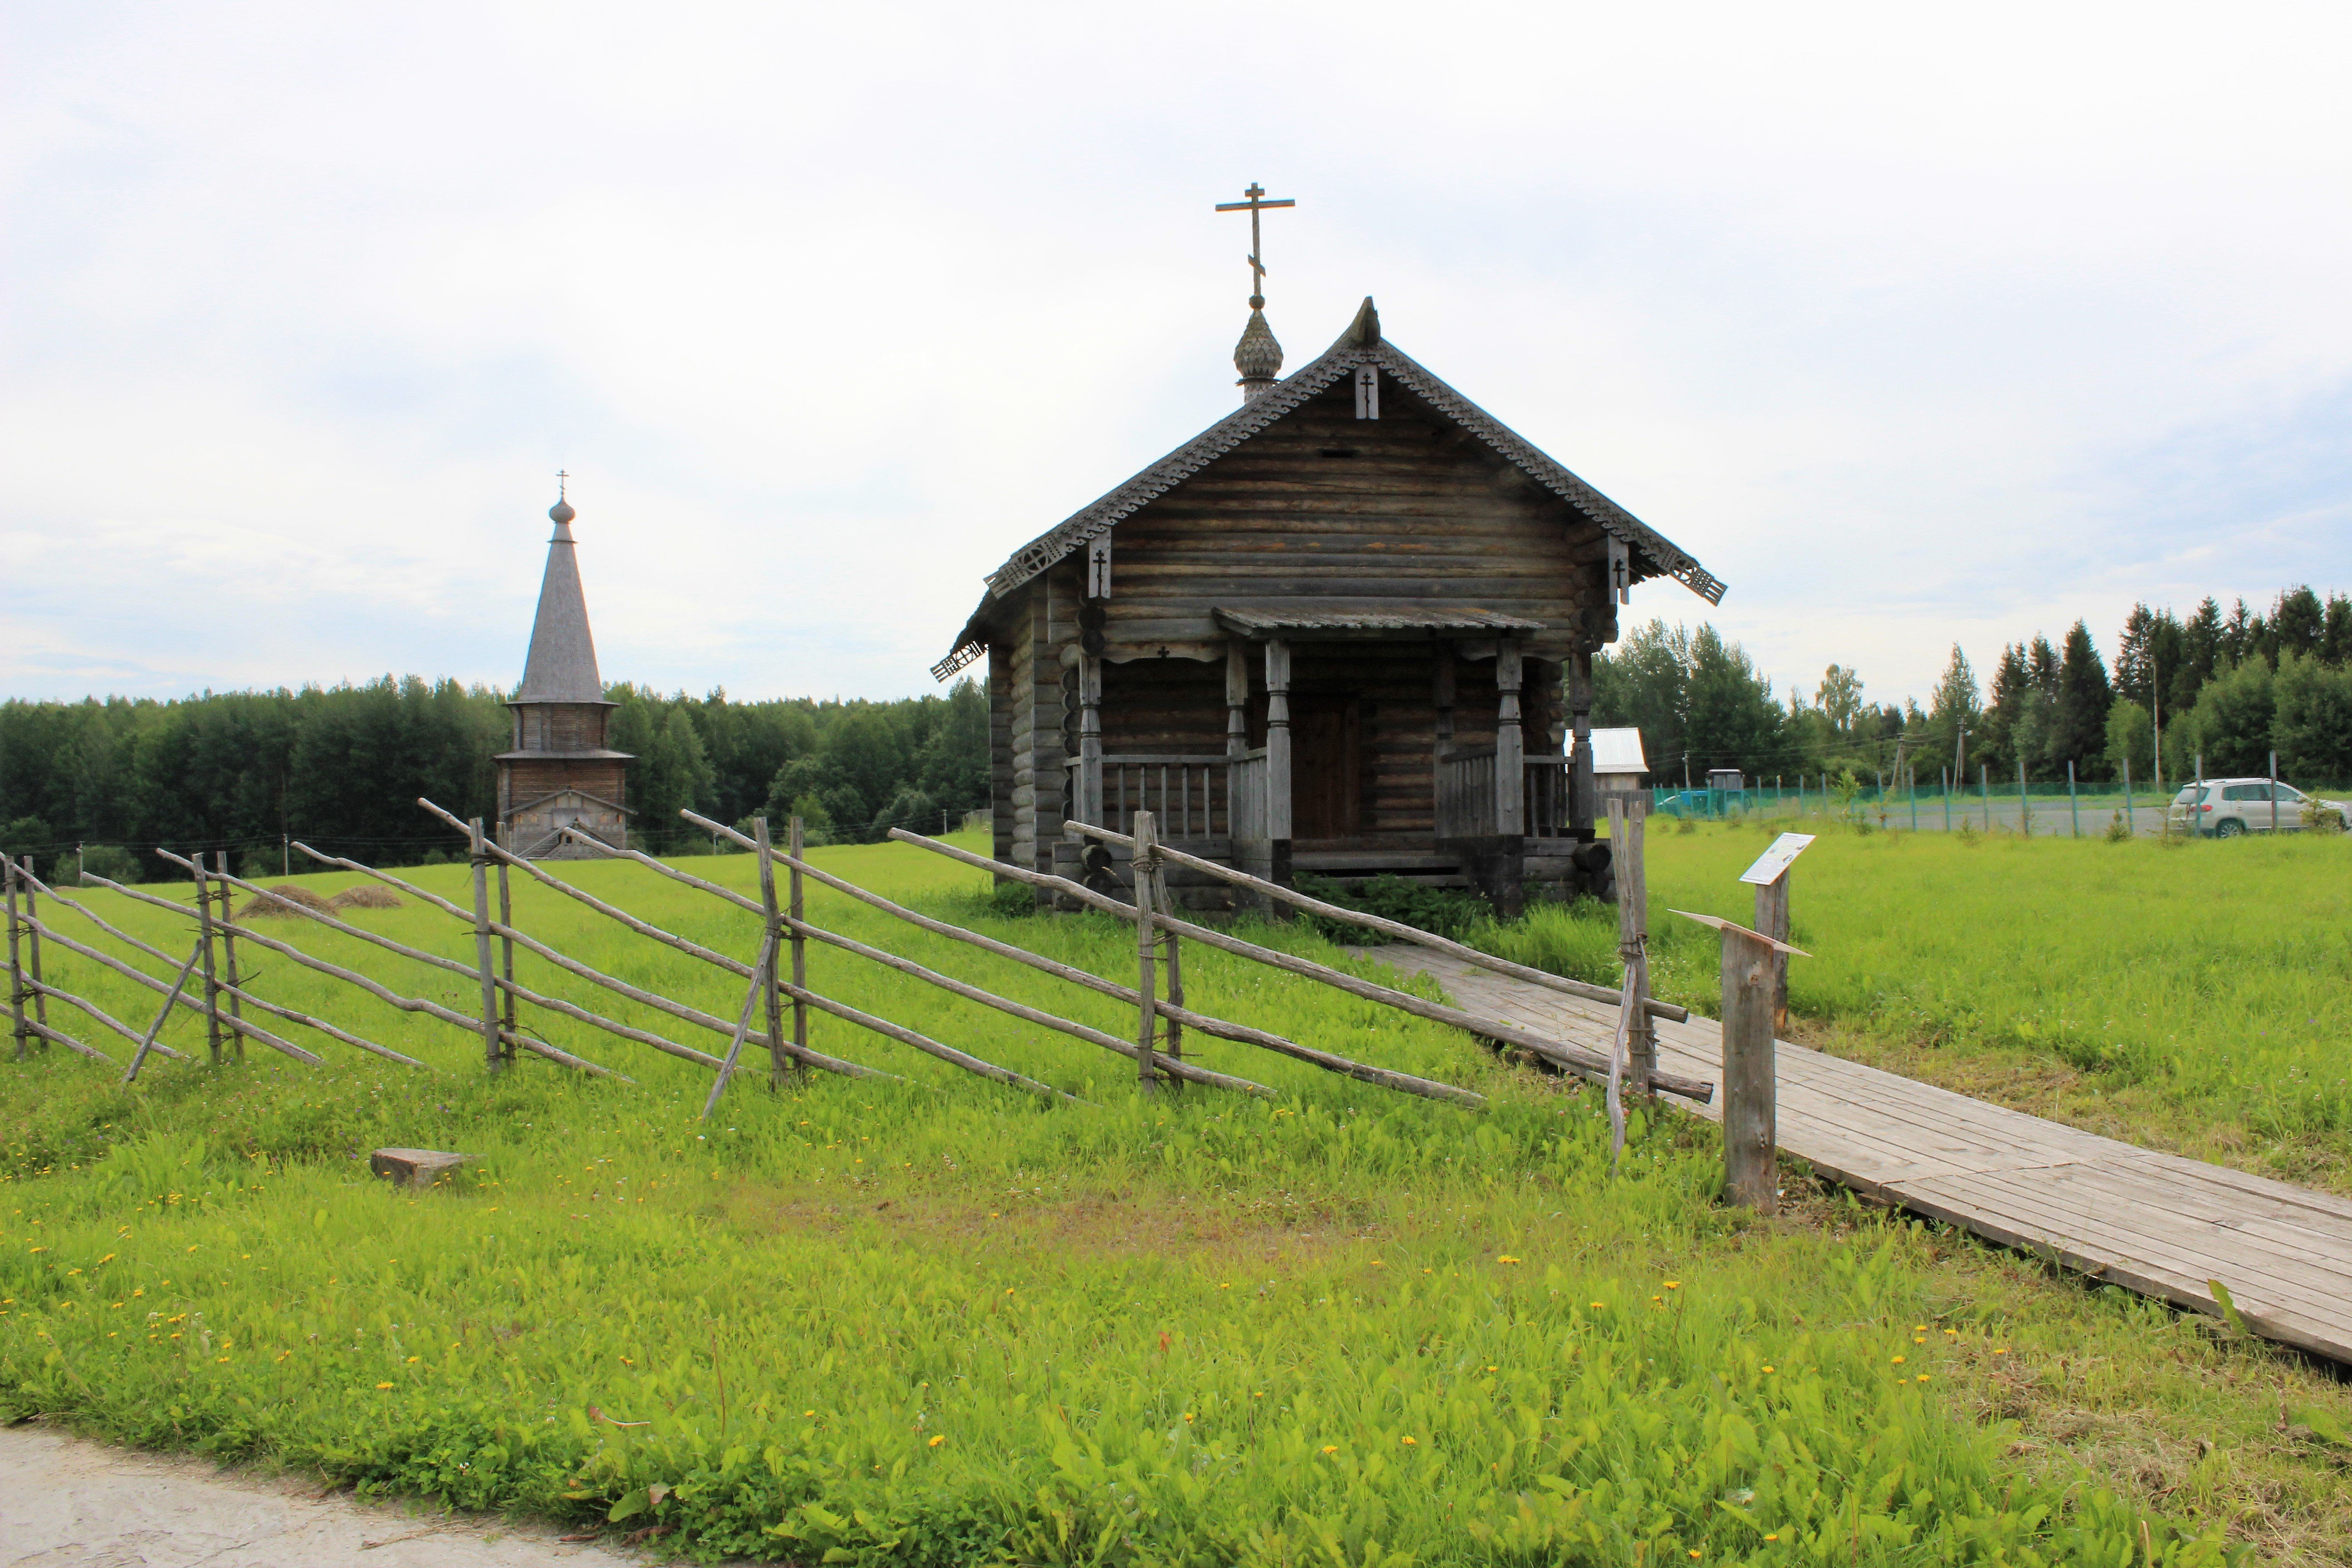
{"x": 1750, "y": 1109}
{"x": 1771, "y": 876}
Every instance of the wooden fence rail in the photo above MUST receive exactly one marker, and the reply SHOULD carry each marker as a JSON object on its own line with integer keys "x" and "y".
{"x": 1575, "y": 1058}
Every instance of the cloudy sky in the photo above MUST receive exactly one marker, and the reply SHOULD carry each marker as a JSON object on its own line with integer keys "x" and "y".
{"x": 1915, "y": 325}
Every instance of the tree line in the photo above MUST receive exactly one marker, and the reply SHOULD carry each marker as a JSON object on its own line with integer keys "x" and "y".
{"x": 2229, "y": 687}
{"x": 101, "y": 783}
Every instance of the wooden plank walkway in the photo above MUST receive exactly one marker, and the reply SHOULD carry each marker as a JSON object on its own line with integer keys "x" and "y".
{"x": 2157, "y": 1223}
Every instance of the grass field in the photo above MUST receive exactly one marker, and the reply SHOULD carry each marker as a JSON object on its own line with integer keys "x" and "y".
{"x": 2195, "y": 996}
{"x": 934, "y": 1320}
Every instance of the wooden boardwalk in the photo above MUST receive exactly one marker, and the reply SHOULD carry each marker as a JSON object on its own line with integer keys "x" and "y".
{"x": 2157, "y": 1223}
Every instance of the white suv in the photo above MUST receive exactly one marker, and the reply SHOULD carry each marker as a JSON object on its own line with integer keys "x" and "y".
{"x": 2232, "y": 806}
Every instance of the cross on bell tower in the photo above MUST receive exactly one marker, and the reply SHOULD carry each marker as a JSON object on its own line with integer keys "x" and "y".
{"x": 1257, "y": 356}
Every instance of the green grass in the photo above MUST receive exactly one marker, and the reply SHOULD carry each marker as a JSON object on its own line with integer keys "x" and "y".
{"x": 935, "y": 1320}
{"x": 2192, "y": 995}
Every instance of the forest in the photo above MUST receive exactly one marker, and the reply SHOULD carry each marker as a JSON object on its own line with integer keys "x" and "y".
{"x": 101, "y": 782}
{"x": 2229, "y": 686}
{"x": 97, "y": 782}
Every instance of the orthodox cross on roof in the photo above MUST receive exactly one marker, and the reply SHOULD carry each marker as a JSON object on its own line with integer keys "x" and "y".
{"x": 1256, "y": 204}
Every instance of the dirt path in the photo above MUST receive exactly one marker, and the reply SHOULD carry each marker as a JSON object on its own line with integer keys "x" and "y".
{"x": 68, "y": 1503}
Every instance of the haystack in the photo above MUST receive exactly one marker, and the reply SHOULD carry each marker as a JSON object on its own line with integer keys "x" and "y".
{"x": 367, "y": 896}
{"x": 267, "y": 904}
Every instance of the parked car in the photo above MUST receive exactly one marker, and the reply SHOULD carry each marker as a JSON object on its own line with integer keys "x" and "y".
{"x": 2224, "y": 808}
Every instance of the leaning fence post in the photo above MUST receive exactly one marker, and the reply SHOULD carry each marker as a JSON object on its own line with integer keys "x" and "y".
{"x": 770, "y": 934}
{"x": 228, "y": 947}
{"x": 2073, "y": 806}
{"x": 37, "y": 935}
{"x": 15, "y": 974}
{"x": 1627, "y": 816}
{"x": 205, "y": 943}
{"x": 800, "y": 954}
{"x": 1143, "y": 863}
{"x": 494, "y": 1055}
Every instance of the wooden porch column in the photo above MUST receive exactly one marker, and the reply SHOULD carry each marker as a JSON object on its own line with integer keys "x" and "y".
{"x": 1278, "y": 755}
{"x": 1581, "y": 805}
{"x": 1510, "y": 746}
{"x": 1236, "y": 700}
{"x": 1090, "y": 779}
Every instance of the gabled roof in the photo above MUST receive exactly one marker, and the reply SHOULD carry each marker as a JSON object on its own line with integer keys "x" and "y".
{"x": 561, "y": 664}
{"x": 1654, "y": 555}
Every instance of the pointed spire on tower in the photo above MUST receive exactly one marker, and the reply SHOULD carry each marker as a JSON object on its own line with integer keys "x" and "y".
{"x": 561, "y": 664}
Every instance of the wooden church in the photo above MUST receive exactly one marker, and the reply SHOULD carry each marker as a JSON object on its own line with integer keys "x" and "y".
{"x": 560, "y": 774}
{"x": 1348, "y": 629}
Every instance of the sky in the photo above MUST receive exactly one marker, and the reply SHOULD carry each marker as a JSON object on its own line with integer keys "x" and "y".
{"x": 1916, "y": 325}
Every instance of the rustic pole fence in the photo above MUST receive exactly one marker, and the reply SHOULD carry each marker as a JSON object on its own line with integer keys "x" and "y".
{"x": 596, "y": 977}
{"x": 1750, "y": 1131}
{"x": 472, "y": 1025}
{"x": 907, "y": 966}
{"x": 1576, "y": 1058}
{"x": 139, "y": 977}
{"x": 1174, "y": 1012}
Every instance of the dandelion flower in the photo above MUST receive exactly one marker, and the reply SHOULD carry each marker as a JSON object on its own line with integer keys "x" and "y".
{"x": 1772, "y": 1537}
{"x": 1767, "y": 1369}
{"x": 380, "y": 1386}
{"x": 938, "y": 1439}
{"x": 1898, "y": 1360}
{"x": 1694, "y": 1554}
{"x": 1330, "y": 1449}
{"x": 1413, "y": 1442}
{"x": 1673, "y": 1284}
{"x": 413, "y": 1360}
{"x": 1504, "y": 1257}
{"x": 1494, "y": 1369}
{"x": 808, "y": 1413}
{"x": 1923, "y": 1377}
{"x": 2001, "y": 1350}
{"x": 1599, "y": 1306}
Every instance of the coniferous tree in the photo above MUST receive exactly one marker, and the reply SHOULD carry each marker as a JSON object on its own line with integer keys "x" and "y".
{"x": 2079, "y": 714}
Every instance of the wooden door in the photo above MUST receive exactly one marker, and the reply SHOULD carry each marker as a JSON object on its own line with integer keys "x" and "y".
{"x": 1326, "y": 767}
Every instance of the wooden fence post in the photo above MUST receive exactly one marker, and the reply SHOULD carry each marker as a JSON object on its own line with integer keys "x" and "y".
{"x": 506, "y": 945}
{"x": 771, "y": 935}
{"x": 800, "y": 956}
{"x": 228, "y": 949}
{"x": 1145, "y": 861}
{"x": 33, "y": 934}
{"x": 1749, "y": 1133}
{"x": 494, "y": 1053}
{"x": 205, "y": 942}
{"x": 1627, "y": 817}
{"x": 15, "y": 974}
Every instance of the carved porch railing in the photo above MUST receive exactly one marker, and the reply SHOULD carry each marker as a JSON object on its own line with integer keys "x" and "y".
{"x": 1467, "y": 799}
{"x": 1186, "y": 794}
